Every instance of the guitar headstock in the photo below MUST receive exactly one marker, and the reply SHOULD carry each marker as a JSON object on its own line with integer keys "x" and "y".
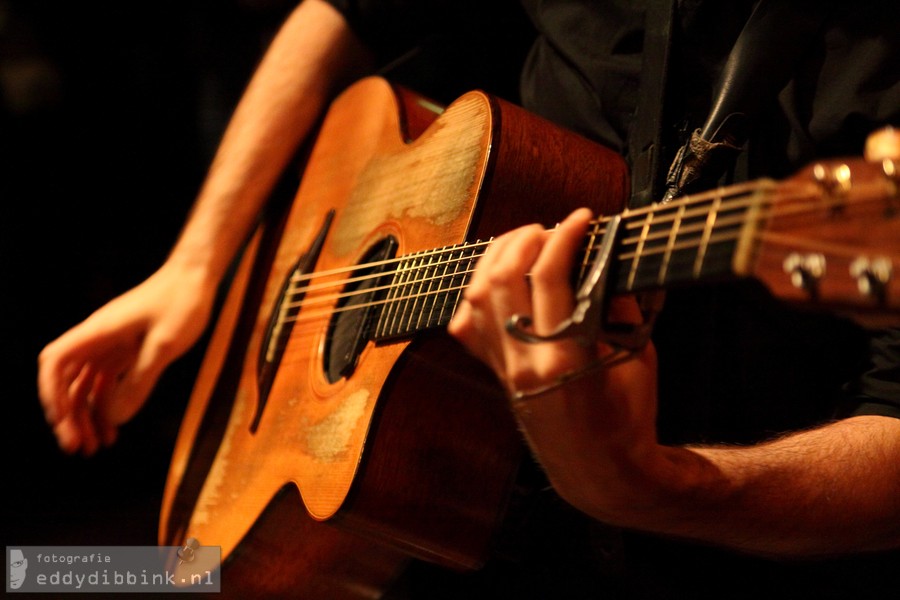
{"x": 830, "y": 237}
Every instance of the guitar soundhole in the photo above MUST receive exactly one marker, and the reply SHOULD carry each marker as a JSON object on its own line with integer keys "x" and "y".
{"x": 357, "y": 310}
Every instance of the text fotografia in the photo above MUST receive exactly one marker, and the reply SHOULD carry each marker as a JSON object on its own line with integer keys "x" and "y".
{"x": 113, "y": 569}
{"x": 74, "y": 558}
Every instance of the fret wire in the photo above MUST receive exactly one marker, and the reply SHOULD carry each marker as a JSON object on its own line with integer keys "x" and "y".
{"x": 430, "y": 280}
{"x": 681, "y": 212}
{"x": 441, "y": 290}
{"x": 597, "y": 227}
{"x": 416, "y": 286}
{"x": 803, "y": 203}
{"x": 670, "y": 245}
{"x": 688, "y": 201}
{"x": 590, "y": 247}
{"x": 707, "y": 232}
{"x": 402, "y": 273}
{"x": 456, "y": 254}
{"x": 399, "y": 284}
{"x": 458, "y": 288}
{"x": 746, "y": 190}
{"x": 401, "y": 280}
{"x": 404, "y": 313}
{"x": 398, "y": 278}
{"x": 665, "y": 213}
{"x": 456, "y": 275}
{"x": 737, "y": 220}
{"x": 398, "y": 260}
{"x": 437, "y": 307}
{"x": 408, "y": 292}
{"x": 298, "y": 278}
{"x": 461, "y": 278}
{"x": 637, "y": 253}
{"x": 388, "y": 306}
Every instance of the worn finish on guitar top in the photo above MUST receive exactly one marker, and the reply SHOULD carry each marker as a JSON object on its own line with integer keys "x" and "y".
{"x": 408, "y": 448}
{"x": 415, "y": 450}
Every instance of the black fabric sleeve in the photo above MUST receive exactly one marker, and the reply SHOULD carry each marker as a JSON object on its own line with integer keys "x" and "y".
{"x": 877, "y": 390}
{"x": 388, "y": 27}
{"x": 392, "y": 27}
{"x": 444, "y": 47}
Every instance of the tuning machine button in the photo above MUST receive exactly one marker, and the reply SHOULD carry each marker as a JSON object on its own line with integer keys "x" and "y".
{"x": 805, "y": 270}
{"x": 872, "y": 276}
{"x": 835, "y": 182}
{"x": 892, "y": 174}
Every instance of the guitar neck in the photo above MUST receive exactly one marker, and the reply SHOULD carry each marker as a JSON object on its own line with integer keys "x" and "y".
{"x": 826, "y": 237}
{"x": 662, "y": 245}
{"x": 425, "y": 289}
{"x": 700, "y": 238}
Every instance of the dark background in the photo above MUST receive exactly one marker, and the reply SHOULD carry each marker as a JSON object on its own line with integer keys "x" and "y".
{"x": 109, "y": 116}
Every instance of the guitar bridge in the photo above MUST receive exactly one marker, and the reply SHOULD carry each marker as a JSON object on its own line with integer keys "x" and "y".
{"x": 282, "y": 320}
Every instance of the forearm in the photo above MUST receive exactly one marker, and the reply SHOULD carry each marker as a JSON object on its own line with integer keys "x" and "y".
{"x": 831, "y": 490}
{"x": 312, "y": 55}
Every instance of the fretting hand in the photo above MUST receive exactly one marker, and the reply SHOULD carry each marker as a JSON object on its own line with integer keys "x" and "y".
{"x": 601, "y": 419}
{"x": 524, "y": 272}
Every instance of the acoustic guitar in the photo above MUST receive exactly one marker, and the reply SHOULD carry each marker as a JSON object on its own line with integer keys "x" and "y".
{"x": 335, "y": 430}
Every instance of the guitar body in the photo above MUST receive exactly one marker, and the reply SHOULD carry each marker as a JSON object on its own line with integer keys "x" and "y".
{"x": 324, "y": 483}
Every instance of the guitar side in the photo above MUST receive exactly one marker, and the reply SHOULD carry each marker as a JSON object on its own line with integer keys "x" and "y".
{"x": 415, "y": 448}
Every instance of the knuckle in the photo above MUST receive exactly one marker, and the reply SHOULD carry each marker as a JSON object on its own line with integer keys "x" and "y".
{"x": 48, "y": 354}
{"x": 163, "y": 344}
{"x": 544, "y": 275}
{"x": 501, "y": 275}
{"x": 477, "y": 293}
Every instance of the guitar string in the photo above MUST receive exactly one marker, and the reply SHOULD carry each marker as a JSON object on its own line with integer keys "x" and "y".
{"x": 313, "y": 316}
{"x": 696, "y": 199}
{"x": 328, "y": 299}
{"x": 316, "y": 316}
{"x": 672, "y": 207}
{"x": 623, "y": 256}
{"x": 479, "y": 244}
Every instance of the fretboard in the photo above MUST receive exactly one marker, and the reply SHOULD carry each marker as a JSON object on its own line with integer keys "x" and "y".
{"x": 659, "y": 246}
{"x": 425, "y": 289}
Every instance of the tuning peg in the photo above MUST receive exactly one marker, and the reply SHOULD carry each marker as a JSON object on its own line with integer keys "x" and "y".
{"x": 883, "y": 144}
{"x": 872, "y": 276}
{"x": 835, "y": 181}
{"x": 805, "y": 270}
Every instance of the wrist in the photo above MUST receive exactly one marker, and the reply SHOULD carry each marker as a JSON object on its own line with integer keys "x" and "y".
{"x": 605, "y": 463}
{"x": 189, "y": 278}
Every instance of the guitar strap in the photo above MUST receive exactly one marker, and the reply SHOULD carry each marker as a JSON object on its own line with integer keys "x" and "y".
{"x": 645, "y": 138}
{"x": 758, "y": 67}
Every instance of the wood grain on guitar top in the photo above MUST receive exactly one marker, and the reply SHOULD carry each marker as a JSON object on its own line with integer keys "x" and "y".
{"x": 415, "y": 449}
{"x": 398, "y": 442}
